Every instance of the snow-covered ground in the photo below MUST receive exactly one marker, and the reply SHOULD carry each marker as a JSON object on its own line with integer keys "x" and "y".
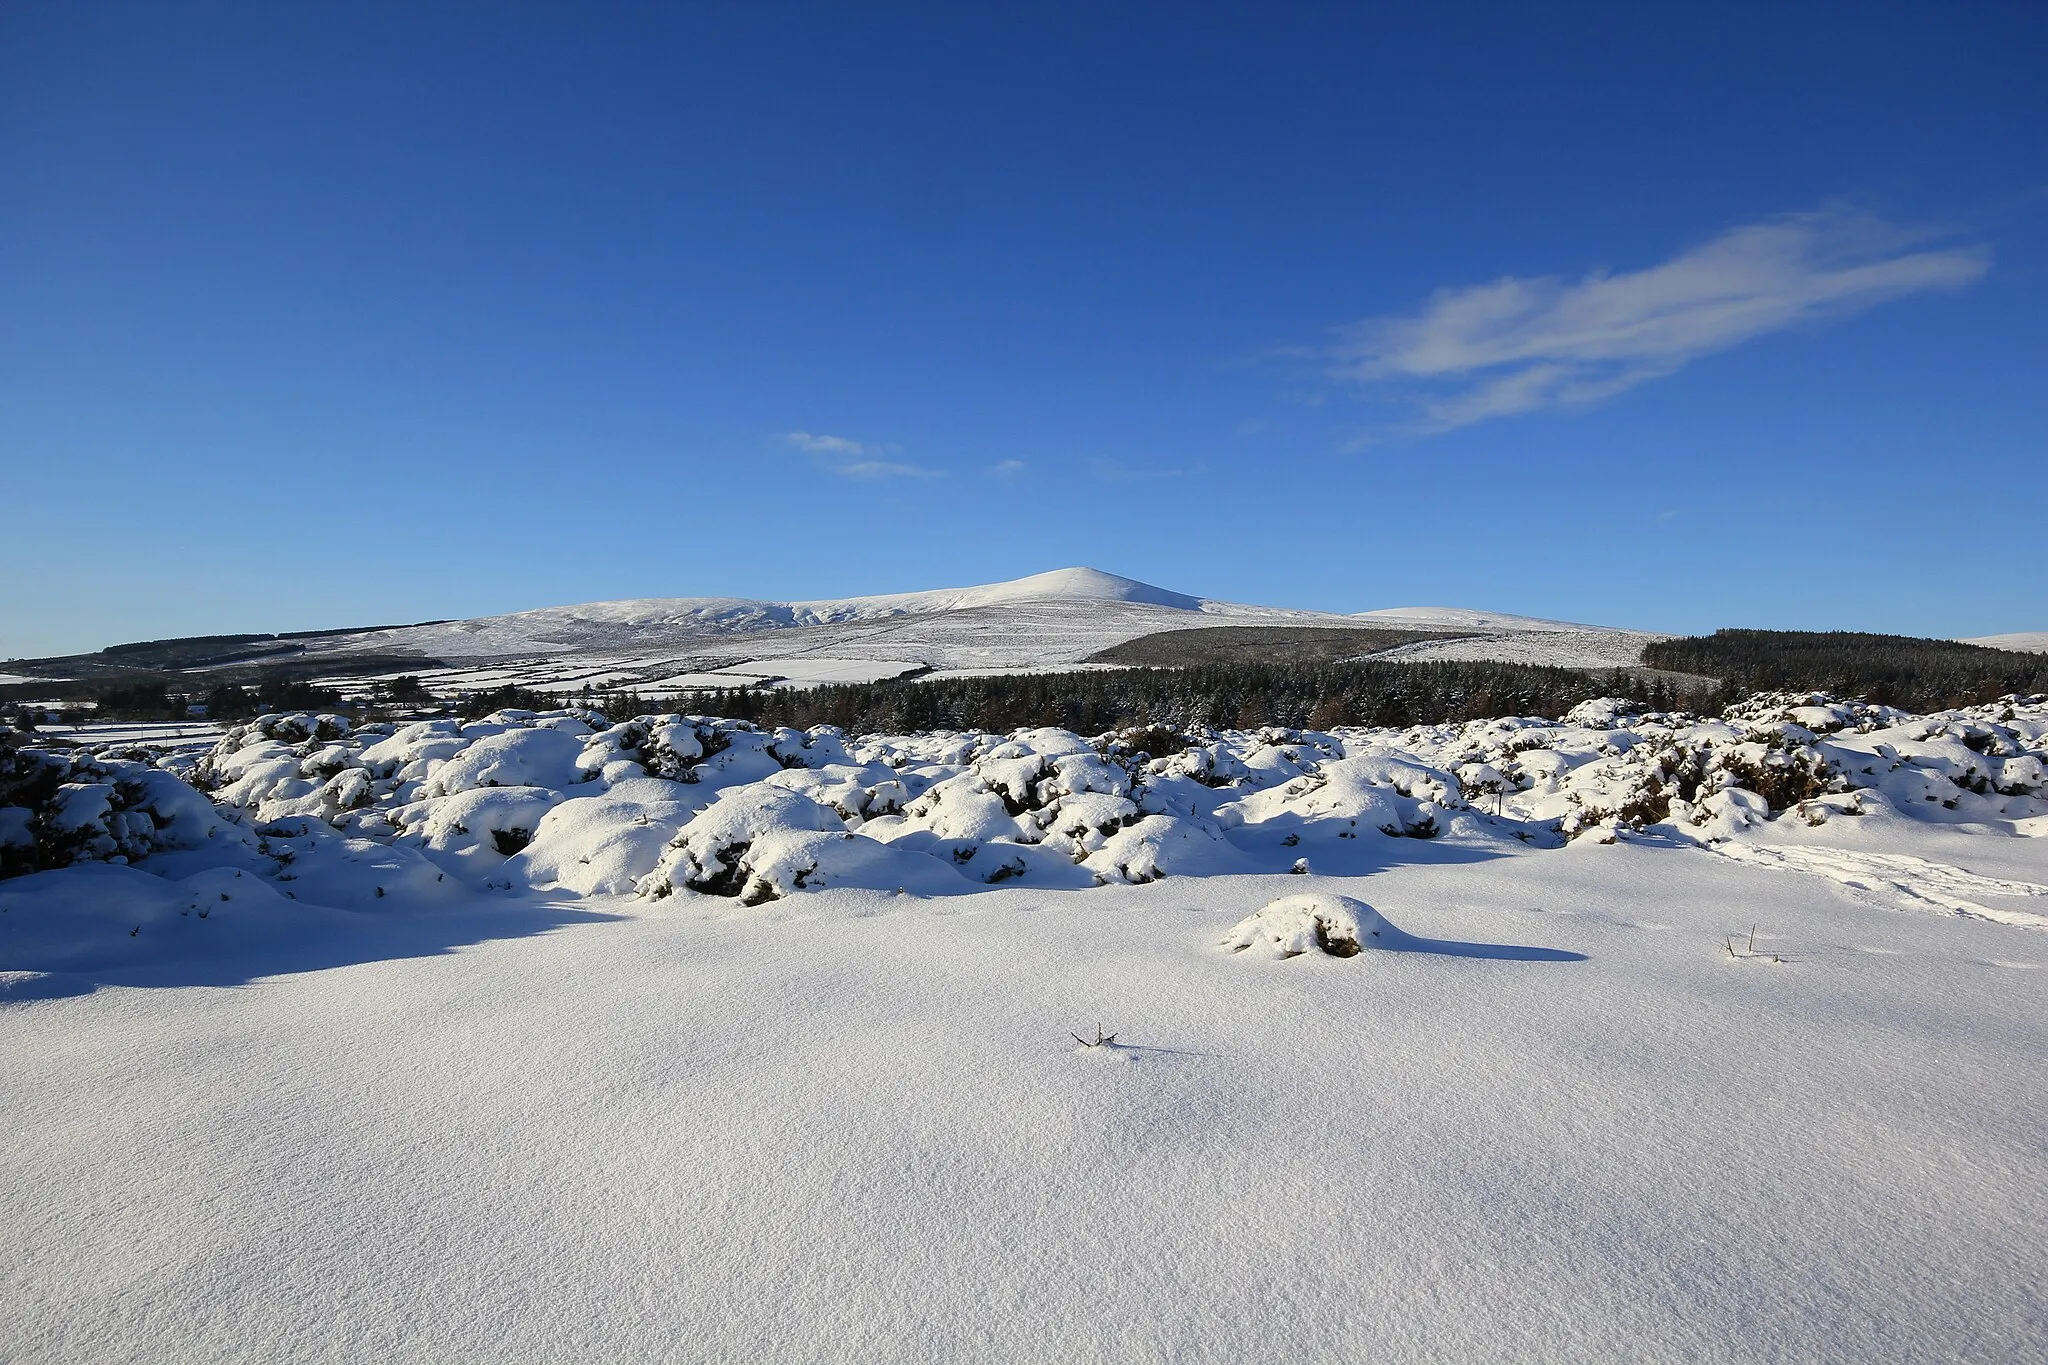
{"x": 1640, "y": 1037}
{"x": 853, "y": 1127}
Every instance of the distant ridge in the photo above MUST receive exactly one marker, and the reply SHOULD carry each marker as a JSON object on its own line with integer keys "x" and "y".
{"x": 2024, "y": 641}
{"x": 1464, "y": 618}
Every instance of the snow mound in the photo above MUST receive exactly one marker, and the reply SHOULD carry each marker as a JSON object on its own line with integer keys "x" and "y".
{"x": 604, "y": 845}
{"x": 1164, "y": 846}
{"x": 712, "y": 852}
{"x": 1319, "y": 922}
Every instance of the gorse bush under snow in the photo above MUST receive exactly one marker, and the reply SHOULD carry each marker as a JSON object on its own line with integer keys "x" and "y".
{"x": 671, "y": 804}
{"x": 65, "y": 807}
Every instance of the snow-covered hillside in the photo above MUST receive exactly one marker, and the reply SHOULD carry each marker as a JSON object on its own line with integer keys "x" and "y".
{"x": 1513, "y": 639}
{"x": 664, "y": 646}
{"x": 1465, "y": 618}
{"x": 695, "y": 621}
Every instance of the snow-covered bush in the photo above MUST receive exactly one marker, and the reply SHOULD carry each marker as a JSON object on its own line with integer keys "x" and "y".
{"x": 1318, "y": 922}
{"x": 62, "y": 807}
{"x": 677, "y": 804}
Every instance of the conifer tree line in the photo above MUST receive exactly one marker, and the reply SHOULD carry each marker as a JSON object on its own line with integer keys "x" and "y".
{"x": 1313, "y": 695}
{"x": 1895, "y": 670}
{"x": 1916, "y": 674}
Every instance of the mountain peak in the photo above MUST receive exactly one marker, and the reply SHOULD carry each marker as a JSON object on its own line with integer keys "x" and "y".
{"x": 1081, "y": 581}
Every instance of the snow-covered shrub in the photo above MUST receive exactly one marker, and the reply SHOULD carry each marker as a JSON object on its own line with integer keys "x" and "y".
{"x": 531, "y": 757}
{"x": 314, "y": 862}
{"x": 1317, "y": 922}
{"x": 605, "y": 844}
{"x": 670, "y": 804}
{"x": 710, "y": 853}
{"x": 61, "y": 807}
{"x": 1165, "y": 846}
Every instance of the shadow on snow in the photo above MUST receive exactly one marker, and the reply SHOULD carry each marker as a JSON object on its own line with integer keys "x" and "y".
{"x": 54, "y": 959}
{"x": 1391, "y": 940}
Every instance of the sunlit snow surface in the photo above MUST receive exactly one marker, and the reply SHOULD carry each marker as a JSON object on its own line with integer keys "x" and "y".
{"x": 1735, "y": 1085}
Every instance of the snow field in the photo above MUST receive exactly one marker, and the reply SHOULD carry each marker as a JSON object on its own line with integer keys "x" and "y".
{"x": 852, "y": 1126}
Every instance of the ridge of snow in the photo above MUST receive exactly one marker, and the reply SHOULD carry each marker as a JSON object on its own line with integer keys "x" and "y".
{"x": 2020, "y": 641}
{"x": 1466, "y": 618}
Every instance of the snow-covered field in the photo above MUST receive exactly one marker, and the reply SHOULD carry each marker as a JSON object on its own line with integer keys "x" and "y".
{"x": 1511, "y": 639}
{"x": 180, "y": 735}
{"x": 1641, "y": 1037}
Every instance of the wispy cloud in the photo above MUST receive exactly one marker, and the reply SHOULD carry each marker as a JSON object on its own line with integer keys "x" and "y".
{"x": 832, "y": 445}
{"x": 1119, "y": 472}
{"x": 851, "y": 459}
{"x": 1007, "y": 469}
{"x": 1524, "y": 344}
{"x": 885, "y": 469}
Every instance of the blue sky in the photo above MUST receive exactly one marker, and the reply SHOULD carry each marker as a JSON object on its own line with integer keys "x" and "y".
{"x": 1663, "y": 316}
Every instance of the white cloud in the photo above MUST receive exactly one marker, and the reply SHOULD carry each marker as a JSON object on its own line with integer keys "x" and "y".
{"x": 1007, "y": 469}
{"x": 853, "y": 459}
{"x": 1524, "y": 344}
{"x": 1118, "y": 471}
{"x": 830, "y": 445}
{"x": 885, "y": 469}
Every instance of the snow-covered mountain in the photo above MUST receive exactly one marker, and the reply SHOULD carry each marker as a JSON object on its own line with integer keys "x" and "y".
{"x": 1049, "y": 620}
{"x": 680, "y": 620}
